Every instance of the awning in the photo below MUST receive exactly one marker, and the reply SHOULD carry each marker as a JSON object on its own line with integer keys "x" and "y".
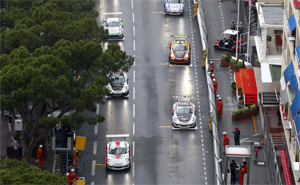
{"x": 297, "y": 51}
{"x": 294, "y": 84}
{"x": 297, "y": 124}
{"x": 292, "y": 23}
{"x": 295, "y": 105}
{"x": 288, "y": 72}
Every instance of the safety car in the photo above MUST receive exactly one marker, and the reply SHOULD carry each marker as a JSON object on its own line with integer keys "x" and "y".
{"x": 227, "y": 41}
{"x": 114, "y": 25}
{"x": 184, "y": 115}
{"x": 174, "y": 7}
{"x": 180, "y": 52}
{"x": 119, "y": 85}
{"x": 117, "y": 153}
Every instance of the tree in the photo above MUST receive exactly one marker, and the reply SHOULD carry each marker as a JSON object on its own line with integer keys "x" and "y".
{"x": 20, "y": 172}
{"x": 47, "y": 81}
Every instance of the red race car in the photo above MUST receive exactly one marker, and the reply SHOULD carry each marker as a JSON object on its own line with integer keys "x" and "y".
{"x": 180, "y": 52}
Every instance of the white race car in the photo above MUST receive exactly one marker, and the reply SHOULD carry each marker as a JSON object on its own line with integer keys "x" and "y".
{"x": 184, "y": 115}
{"x": 114, "y": 25}
{"x": 174, "y": 7}
{"x": 119, "y": 85}
{"x": 118, "y": 153}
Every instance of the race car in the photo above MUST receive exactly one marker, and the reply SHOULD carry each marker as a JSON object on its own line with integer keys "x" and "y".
{"x": 174, "y": 7}
{"x": 180, "y": 52}
{"x": 184, "y": 115}
{"x": 117, "y": 153}
{"x": 119, "y": 85}
{"x": 114, "y": 25}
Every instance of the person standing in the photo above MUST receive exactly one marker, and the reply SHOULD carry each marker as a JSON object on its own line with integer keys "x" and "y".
{"x": 209, "y": 124}
{"x": 215, "y": 87}
{"x": 237, "y": 134}
{"x": 220, "y": 106}
{"x": 232, "y": 171}
{"x": 203, "y": 58}
{"x": 242, "y": 172}
{"x": 212, "y": 67}
{"x": 72, "y": 177}
{"x": 76, "y": 154}
{"x": 16, "y": 147}
{"x": 241, "y": 28}
{"x": 195, "y": 9}
{"x": 225, "y": 141}
{"x": 39, "y": 154}
{"x": 232, "y": 26}
{"x": 213, "y": 76}
{"x": 279, "y": 117}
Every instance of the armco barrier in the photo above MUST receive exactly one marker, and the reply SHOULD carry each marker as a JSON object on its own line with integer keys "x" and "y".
{"x": 211, "y": 96}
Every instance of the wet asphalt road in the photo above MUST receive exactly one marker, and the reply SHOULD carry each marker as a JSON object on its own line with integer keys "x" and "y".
{"x": 160, "y": 154}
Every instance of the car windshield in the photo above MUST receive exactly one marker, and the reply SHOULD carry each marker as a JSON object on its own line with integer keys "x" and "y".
{"x": 179, "y": 47}
{"x": 112, "y": 24}
{"x": 118, "y": 79}
{"x": 183, "y": 110}
{"x": 173, "y": 1}
{"x": 118, "y": 150}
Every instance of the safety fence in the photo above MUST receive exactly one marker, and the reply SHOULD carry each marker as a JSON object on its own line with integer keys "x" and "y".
{"x": 211, "y": 96}
{"x": 269, "y": 151}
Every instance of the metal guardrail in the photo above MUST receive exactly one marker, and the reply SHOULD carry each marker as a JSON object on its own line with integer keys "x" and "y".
{"x": 211, "y": 96}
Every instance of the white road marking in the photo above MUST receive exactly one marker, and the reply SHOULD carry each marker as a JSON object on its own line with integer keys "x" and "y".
{"x": 133, "y": 93}
{"x": 256, "y": 134}
{"x": 95, "y": 148}
{"x": 93, "y": 167}
{"x": 96, "y": 129}
{"x": 134, "y": 60}
{"x": 132, "y": 169}
{"x": 202, "y": 145}
{"x": 133, "y": 110}
{"x": 133, "y": 148}
{"x": 132, "y": 4}
{"x": 203, "y": 158}
{"x": 204, "y": 168}
{"x": 204, "y": 173}
{"x": 133, "y": 45}
{"x": 205, "y": 178}
{"x": 133, "y": 30}
{"x": 204, "y": 163}
{"x": 133, "y": 76}
{"x": 132, "y": 17}
{"x": 92, "y": 183}
{"x": 133, "y": 128}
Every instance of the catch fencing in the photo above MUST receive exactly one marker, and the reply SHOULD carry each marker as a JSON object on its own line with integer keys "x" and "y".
{"x": 211, "y": 96}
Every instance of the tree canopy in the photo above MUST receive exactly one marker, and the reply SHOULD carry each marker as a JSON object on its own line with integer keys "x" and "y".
{"x": 20, "y": 172}
{"x": 70, "y": 72}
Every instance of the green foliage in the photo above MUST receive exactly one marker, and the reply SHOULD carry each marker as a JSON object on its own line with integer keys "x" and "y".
{"x": 232, "y": 61}
{"x": 223, "y": 56}
{"x": 236, "y": 66}
{"x": 245, "y": 110}
{"x": 253, "y": 107}
{"x": 227, "y": 58}
{"x": 233, "y": 85}
{"x": 240, "y": 89}
{"x": 20, "y": 172}
{"x": 241, "y": 97}
{"x": 236, "y": 112}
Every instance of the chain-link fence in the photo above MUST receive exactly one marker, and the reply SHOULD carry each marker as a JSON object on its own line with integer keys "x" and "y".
{"x": 269, "y": 151}
{"x": 211, "y": 95}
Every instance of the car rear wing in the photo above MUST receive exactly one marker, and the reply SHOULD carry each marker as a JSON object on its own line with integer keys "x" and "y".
{"x": 110, "y": 136}
{"x": 112, "y": 13}
{"x": 179, "y": 36}
{"x": 181, "y": 97}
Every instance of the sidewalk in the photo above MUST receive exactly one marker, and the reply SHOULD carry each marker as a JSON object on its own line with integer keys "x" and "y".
{"x": 6, "y": 140}
{"x": 224, "y": 75}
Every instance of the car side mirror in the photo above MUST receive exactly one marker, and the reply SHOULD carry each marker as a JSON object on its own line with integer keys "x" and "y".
{"x": 129, "y": 150}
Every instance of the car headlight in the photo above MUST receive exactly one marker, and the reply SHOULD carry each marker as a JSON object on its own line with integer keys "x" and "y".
{"x": 126, "y": 160}
{"x": 120, "y": 32}
{"x": 125, "y": 87}
{"x": 193, "y": 119}
{"x": 186, "y": 55}
{"x": 175, "y": 119}
{"x": 108, "y": 160}
{"x": 109, "y": 87}
{"x": 172, "y": 55}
